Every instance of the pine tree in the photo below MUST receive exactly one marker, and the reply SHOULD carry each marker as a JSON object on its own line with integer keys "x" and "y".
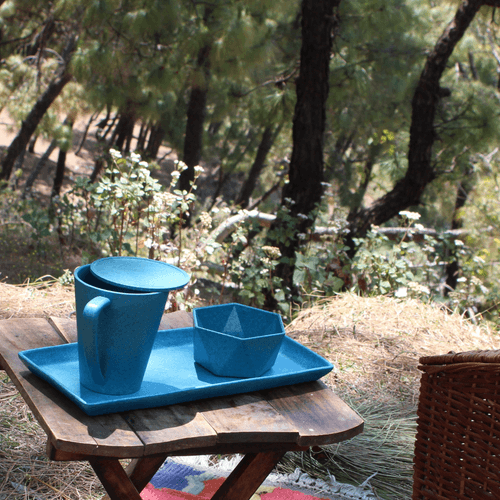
{"x": 43, "y": 103}
{"x": 428, "y": 93}
{"x": 304, "y": 190}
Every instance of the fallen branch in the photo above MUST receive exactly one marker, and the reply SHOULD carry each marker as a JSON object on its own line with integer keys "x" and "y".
{"x": 220, "y": 233}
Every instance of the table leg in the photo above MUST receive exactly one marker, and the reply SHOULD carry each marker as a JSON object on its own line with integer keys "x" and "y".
{"x": 122, "y": 484}
{"x": 141, "y": 470}
{"x": 250, "y": 473}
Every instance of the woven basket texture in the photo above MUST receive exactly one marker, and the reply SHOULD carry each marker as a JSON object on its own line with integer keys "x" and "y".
{"x": 457, "y": 449}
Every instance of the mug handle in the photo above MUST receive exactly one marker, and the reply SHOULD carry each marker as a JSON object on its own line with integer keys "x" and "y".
{"x": 91, "y": 315}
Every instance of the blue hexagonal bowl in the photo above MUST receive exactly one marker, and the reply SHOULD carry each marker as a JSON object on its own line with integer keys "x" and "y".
{"x": 233, "y": 340}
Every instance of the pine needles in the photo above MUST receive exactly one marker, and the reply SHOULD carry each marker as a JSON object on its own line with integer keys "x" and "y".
{"x": 382, "y": 456}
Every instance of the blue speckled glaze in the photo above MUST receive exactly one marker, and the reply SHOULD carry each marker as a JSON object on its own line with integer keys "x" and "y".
{"x": 139, "y": 274}
{"x": 116, "y": 331}
{"x": 172, "y": 376}
{"x": 235, "y": 340}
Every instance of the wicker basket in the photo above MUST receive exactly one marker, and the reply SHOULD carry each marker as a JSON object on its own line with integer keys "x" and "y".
{"x": 457, "y": 451}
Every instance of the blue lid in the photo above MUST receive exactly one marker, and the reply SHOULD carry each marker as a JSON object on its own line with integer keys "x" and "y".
{"x": 137, "y": 273}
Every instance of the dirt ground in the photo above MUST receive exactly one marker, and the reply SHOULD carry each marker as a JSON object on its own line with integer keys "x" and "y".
{"x": 20, "y": 257}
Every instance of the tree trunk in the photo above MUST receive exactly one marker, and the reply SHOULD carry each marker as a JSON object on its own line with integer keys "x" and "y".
{"x": 193, "y": 140}
{"x": 34, "y": 117}
{"x": 99, "y": 163}
{"x": 267, "y": 141}
{"x": 86, "y": 131}
{"x": 156, "y": 135}
{"x": 124, "y": 129}
{"x": 141, "y": 140}
{"x": 37, "y": 169}
{"x": 452, "y": 268}
{"x": 304, "y": 189}
{"x": 31, "y": 145}
{"x": 104, "y": 122}
{"x": 60, "y": 168}
{"x": 408, "y": 191}
{"x": 356, "y": 201}
{"x": 41, "y": 39}
{"x": 18, "y": 167}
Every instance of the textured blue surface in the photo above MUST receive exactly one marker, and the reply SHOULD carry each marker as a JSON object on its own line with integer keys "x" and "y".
{"x": 172, "y": 376}
{"x": 137, "y": 273}
{"x": 116, "y": 332}
{"x": 234, "y": 340}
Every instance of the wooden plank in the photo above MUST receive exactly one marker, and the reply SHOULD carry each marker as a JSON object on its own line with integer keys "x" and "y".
{"x": 28, "y": 333}
{"x": 141, "y": 471}
{"x": 177, "y": 319}
{"x": 320, "y": 416}
{"x": 171, "y": 428}
{"x": 248, "y": 475}
{"x": 66, "y": 328}
{"x": 247, "y": 418}
{"x": 114, "y": 479}
{"x": 18, "y": 335}
{"x": 240, "y": 448}
{"x": 66, "y": 425}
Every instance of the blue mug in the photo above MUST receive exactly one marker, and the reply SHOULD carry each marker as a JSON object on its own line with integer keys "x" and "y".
{"x": 116, "y": 331}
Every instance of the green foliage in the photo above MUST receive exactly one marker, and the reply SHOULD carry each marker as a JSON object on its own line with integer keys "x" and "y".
{"x": 129, "y": 212}
{"x": 313, "y": 276}
{"x": 142, "y": 56}
{"x": 383, "y": 268}
{"x": 478, "y": 284}
{"x": 253, "y": 271}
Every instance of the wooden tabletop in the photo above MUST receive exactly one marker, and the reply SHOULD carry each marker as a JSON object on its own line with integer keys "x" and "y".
{"x": 287, "y": 418}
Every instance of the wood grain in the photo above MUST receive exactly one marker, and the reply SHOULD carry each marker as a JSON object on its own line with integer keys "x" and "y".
{"x": 66, "y": 425}
{"x": 114, "y": 479}
{"x": 171, "y": 428}
{"x": 66, "y": 328}
{"x": 249, "y": 474}
{"x": 247, "y": 418}
{"x": 320, "y": 416}
{"x": 141, "y": 470}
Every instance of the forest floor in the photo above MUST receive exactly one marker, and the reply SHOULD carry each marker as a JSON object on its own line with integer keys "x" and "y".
{"x": 20, "y": 257}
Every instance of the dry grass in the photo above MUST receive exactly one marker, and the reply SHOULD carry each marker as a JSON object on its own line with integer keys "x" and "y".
{"x": 39, "y": 299}
{"x": 374, "y": 344}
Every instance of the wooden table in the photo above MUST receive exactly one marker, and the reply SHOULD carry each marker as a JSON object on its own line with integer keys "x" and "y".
{"x": 262, "y": 425}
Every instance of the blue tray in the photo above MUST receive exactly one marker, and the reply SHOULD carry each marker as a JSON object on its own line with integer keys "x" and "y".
{"x": 172, "y": 376}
